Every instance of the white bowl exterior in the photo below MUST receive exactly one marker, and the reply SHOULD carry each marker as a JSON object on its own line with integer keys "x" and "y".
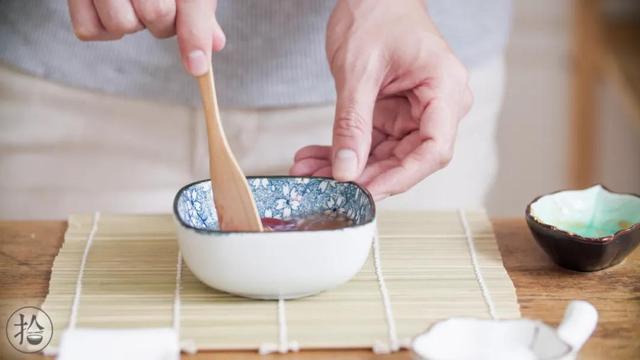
{"x": 273, "y": 265}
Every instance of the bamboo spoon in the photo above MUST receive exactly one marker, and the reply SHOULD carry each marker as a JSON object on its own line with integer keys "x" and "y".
{"x": 233, "y": 200}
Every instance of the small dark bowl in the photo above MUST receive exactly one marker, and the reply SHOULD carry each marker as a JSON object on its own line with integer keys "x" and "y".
{"x": 586, "y": 230}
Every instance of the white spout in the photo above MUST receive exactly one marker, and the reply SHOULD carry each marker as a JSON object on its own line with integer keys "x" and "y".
{"x": 579, "y": 321}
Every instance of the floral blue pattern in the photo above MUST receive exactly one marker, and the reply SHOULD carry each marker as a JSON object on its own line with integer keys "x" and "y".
{"x": 281, "y": 198}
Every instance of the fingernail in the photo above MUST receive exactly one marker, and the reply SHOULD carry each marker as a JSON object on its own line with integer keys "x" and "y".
{"x": 345, "y": 165}
{"x": 198, "y": 63}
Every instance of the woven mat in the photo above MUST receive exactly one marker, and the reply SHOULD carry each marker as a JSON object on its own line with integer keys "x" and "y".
{"x": 430, "y": 266}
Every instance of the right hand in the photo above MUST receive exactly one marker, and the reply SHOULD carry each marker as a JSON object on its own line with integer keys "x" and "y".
{"x": 400, "y": 95}
{"x": 193, "y": 21}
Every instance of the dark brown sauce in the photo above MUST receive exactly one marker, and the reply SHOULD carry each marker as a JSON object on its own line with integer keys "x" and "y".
{"x": 312, "y": 222}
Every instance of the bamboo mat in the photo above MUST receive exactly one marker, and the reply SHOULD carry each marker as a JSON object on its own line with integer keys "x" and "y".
{"x": 425, "y": 270}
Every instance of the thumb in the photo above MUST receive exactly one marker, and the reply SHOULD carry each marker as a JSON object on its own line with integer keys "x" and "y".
{"x": 198, "y": 34}
{"x": 352, "y": 126}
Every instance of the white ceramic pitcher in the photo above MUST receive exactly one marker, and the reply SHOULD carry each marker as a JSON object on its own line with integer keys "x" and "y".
{"x": 467, "y": 338}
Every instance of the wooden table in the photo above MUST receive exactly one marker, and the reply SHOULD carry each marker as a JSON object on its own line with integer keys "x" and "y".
{"x": 27, "y": 251}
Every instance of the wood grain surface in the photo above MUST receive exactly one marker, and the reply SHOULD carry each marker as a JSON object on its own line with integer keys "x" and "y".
{"x": 27, "y": 251}
{"x": 234, "y": 202}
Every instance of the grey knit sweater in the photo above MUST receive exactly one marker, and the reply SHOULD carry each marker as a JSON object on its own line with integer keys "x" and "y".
{"x": 274, "y": 55}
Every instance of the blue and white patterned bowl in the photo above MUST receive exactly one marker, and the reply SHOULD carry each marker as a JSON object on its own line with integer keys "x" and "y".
{"x": 271, "y": 265}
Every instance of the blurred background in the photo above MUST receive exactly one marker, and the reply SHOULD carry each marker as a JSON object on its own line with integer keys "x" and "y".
{"x": 570, "y": 116}
{"x": 571, "y": 113}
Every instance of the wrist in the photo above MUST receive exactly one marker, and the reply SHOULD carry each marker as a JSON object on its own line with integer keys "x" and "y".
{"x": 382, "y": 13}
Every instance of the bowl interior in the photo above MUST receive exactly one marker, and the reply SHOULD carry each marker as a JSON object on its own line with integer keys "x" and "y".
{"x": 593, "y": 212}
{"x": 465, "y": 338}
{"x": 280, "y": 197}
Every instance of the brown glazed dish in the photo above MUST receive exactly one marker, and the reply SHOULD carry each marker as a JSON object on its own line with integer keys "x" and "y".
{"x": 588, "y": 253}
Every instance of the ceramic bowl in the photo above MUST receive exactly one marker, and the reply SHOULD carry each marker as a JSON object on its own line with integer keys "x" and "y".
{"x": 586, "y": 230}
{"x": 479, "y": 339}
{"x": 285, "y": 264}
{"x": 489, "y": 339}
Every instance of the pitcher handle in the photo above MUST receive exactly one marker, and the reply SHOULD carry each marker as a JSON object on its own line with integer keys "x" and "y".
{"x": 579, "y": 321}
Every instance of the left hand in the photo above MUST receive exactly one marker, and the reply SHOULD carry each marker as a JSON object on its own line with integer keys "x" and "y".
{"x": 400, "y": 95}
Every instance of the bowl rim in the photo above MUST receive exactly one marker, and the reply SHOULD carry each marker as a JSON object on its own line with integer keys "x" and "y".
{"x": 209, "y": 231}
{"x": 601, "y": 240}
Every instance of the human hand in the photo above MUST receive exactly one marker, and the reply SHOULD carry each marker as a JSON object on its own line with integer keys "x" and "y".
{"x": 400, "y": 95}
{"x": 192, "y": 20}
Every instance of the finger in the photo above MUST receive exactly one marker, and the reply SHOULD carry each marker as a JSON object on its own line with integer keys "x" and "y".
{"x": 407, "y": 144}
{"x": 308, "y": 166}
{"x": 118, "y": 16}
{"x": 379, "y": 197}
{"x": 313, "y": 151}
{"x": 219, "y": 39}
{"x": 159, "y": 16}
{"x": 377, "y": 137}
{"x": 324, "y": 172}
{"x": 357, "y": 90}
{"x": 393, "y": 115}
{"x": 197, "y": 32}
{"x": 407, "y": 173}
{"x": 467, "y": 100}
{"x": 438, "y": 127}
{"x": 439, "y": 122}
{"x": 384, "y": 150}
{"x": 86, "y": 23}
{"x": 374, "y": 170}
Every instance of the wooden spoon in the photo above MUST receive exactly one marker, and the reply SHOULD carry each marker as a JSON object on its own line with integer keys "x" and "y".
{"x": 233, "y": 200}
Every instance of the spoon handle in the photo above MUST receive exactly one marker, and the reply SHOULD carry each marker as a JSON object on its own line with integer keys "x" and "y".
{"x": 234, "y": 202}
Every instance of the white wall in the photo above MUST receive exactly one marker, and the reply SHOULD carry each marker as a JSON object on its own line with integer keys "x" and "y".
{"x": 619, "y": 150}
{"x": 534, "y": 135}
{"x": 533, "y": 127}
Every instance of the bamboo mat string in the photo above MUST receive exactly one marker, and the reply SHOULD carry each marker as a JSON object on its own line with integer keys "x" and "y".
{"x": 476, "y": 268}
{"x": 186, "y": 345}
{"x": 176, "y": 297}
{"x": 379, "y": 347}
{"x": 283, "y": 346}
{"x": 73, "y": 319}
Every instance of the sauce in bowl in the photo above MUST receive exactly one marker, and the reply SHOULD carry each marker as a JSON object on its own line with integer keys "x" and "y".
{"x": 312, "y": 222}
